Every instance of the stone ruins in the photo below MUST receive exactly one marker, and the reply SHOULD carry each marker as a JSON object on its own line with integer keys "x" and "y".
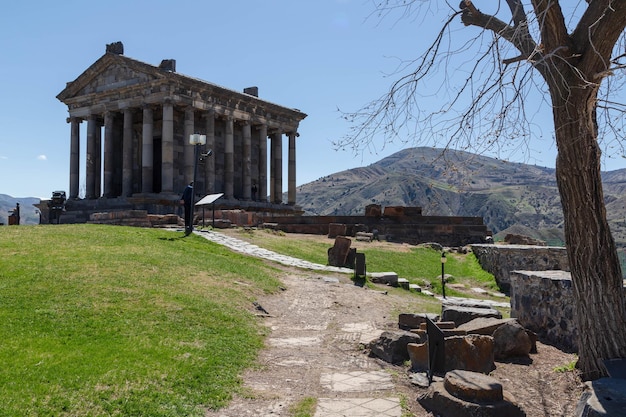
{"x": 138, "y": 156}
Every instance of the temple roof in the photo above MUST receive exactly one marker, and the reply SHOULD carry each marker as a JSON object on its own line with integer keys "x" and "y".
{"x": 116, "y": 81}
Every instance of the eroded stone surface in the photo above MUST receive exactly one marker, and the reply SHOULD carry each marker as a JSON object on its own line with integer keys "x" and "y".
{"x": 473, "y": 386}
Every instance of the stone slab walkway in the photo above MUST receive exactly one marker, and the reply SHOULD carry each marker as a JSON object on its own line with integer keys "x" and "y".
{"x": 254, "y": 250}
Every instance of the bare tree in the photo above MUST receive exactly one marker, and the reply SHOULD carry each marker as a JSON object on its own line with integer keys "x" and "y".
{"x": 499, "y": 70}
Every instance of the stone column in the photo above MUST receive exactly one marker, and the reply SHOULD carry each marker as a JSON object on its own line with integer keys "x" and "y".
{"x": 147, "y": 151}
{"x": 277, "y": 168}
{"x": 167, "y": 149}
{"x": 209, "y": 163}
{"x": 74, "y": 156}
{"x": 109, "y": 165}
{"x": 247, "y": 160}
{"x": 291, "y": 170}
{"x": 90, "y": 162}
{"x": 188, "y": 150}
{"x": 127, "y": 154}
{"x": 263, "y": 163}
{"x": 98, "y": 155}
{"x": 229, "y": 160}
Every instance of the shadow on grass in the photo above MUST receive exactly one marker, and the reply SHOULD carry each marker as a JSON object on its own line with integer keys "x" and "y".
{"x": 172, "y": 239}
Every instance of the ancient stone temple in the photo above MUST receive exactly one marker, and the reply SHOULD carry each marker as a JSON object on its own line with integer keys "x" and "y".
{"x": 139, "y": 119}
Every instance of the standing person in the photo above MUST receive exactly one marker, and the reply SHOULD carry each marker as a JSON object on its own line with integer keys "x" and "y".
{"x": 187, "y": 199}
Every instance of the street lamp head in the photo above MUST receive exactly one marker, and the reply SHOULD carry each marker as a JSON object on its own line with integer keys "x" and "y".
{"x": 197, "y": 139}
{"x": 206, "y": 154}
{"x": 443, "y": 258}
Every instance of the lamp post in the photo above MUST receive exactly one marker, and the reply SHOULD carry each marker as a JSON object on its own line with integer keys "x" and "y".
{"x": 443, "y": 279}
{"x": 196, "y": 140}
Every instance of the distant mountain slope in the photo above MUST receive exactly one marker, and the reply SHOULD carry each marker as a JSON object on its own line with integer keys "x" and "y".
{"x": 28, "y": 212}
{"x": 520, "y": 197}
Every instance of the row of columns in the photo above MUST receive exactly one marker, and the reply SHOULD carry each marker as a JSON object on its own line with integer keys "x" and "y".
{"x": 93, "y": 165}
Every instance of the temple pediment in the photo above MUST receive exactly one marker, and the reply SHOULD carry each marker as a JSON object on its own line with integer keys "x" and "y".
{"x": 111, "y": 72}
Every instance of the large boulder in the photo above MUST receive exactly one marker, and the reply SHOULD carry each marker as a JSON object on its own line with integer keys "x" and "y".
{"x": 483, "y": 325}
{"x": 461, "y": 315}
{"x": 391, "y": 346}
{"x": 409, "y": 321}
{"x": 469, "y": 394}
{"x": 470, "y": 353}
{"x": 511, "y": 340}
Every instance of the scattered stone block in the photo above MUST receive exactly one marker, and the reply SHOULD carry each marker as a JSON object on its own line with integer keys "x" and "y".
{"x": 443, "y": 325}
{"x": 387, "y": 278}
{"x": 511, "y": 340}
{"x": 404, "y": 283}
{"x": 415, "y": 288}
{"x": 514, "y": 239}
{"x": 418, "y": 354}
{"x": 602, "y": 397}
{"x": 473, "y": 387}
{"x": 338, "y": 254}
{"x": 429, "y": 293}
{"x": 408, "y": 321}
{"x": 469, "y": 394}
{"x": 391, "y": 346}
{"x": 364, "y": 237}
{"x": 470, "y": 353}
{"x": 461, "y": 315}
{"x": 222, "y": 224}
{"x": 483, "y": 325}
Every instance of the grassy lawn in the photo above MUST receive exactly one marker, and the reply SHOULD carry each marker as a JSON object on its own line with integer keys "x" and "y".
{"x": 117, "y": 321}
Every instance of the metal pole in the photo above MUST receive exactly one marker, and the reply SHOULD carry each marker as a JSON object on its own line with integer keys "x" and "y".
{"x": 193, "y": 185}
{"x": 443, "y": 279}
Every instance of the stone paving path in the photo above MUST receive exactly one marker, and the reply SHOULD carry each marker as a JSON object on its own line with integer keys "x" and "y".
{"x": 254, "y": 250}
{"x": 344, "y": 381}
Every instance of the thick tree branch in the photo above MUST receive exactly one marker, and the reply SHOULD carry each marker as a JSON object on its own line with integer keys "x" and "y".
{"x": 552, "y": 26}
{"x": 598, "y": 31}
{"x": 518, "y": 35}
{"x": 517, "y": 11}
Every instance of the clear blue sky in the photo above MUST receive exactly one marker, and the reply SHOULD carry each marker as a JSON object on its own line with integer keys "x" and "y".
{"x": 316, "y": 56}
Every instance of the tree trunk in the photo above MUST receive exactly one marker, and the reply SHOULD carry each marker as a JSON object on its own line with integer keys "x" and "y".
{"x": 595, "y": 268}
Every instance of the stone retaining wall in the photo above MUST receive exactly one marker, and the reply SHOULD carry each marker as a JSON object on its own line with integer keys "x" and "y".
{"x": 500, "y": 260}
{"x": 543, "y": 301}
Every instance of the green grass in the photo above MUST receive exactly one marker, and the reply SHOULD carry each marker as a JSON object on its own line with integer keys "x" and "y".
{"x": 418, "y": 264}
{"x": 116, "y": 321}
{"x": 303, "y": 408}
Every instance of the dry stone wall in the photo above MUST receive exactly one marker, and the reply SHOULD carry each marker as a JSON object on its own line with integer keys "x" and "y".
{"x": 542, "y": 301}
{"x": 500, "y": 260}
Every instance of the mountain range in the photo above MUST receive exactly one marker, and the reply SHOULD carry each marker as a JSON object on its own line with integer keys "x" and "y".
{"x": 510, "y": 197}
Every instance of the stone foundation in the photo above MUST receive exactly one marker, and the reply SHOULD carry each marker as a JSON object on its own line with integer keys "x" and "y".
{"x": 398, "y": 224}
